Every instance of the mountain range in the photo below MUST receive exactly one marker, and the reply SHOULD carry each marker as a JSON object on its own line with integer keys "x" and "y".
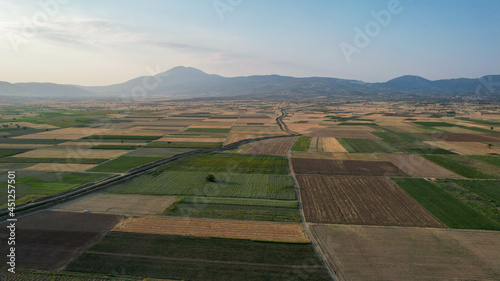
{"x": 188, "y": 82}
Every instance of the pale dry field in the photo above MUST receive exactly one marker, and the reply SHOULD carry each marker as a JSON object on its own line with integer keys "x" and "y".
{"x": 120, "y": 204}
{"x": 66, "y": 133}
{"x": 408, "y": 253}
{"x": 467, "y": 148}
{"x": 343, "y": 133}
{"x": 22, "y": 145}
{"x": 60, "y": 167}
{"x": 136, "y": 131}
{"x": 325, "y": 144}
{"x": 176, "y": 139}
{"x": 419, "y": 167}
{"x": 235, "y": 229}
{"x": 72, "y": 153}
{"x": 30, "y": 125}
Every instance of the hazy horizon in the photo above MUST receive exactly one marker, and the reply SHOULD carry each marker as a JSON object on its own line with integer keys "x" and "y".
{"x": 94, "y": 43}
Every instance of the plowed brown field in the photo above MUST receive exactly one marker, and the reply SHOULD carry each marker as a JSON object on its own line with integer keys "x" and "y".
{"x": 346, "y": 167}
{"x": 417, "y": 166}
{"x": 360, "y": 200}
{"x": 265, "y": 231}
{"x": 277, "y": 146}
{"x": 401, "y": 253}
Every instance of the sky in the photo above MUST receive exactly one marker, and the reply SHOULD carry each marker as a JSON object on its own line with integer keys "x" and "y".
{"x": 103, "y": 42}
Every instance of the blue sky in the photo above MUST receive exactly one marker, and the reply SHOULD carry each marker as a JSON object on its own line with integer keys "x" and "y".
{"x": 110, "y": 41}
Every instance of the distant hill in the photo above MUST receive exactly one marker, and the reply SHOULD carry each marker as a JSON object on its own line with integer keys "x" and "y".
{"x": 186, "y": 82}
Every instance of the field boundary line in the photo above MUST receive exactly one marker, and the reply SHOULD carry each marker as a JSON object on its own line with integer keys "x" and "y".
{"x": 334, "y": 273}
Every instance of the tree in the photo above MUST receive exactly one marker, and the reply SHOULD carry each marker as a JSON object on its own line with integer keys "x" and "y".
{"x": 210, "y": 178}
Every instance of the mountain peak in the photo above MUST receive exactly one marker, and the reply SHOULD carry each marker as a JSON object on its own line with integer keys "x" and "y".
{"x": 408, "y": 79}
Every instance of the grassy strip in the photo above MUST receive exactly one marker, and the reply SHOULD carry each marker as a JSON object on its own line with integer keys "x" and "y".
{"x": 346, "y": 146}
{"x": 124, "y": 137}
{"x": 301, "y": 144}
{"x": 237, "y": 212}
{"x": 448, "y": 209}
{"x": 33, "y": 184}
{"x": 241, "y": 201}
{"x": 367, "y": 145}
{"x": 208, "y": 130}
{"x": 278, "y": 187}
{"x": 482, "y": 196}
{"x": 10, "y": 152}
{"x": 124, "y": 163}
{"x": 52, "y": 160}
{"x": 132, "y": 245}
{"x": 427, "y": 151}
{"x": 455, "y": 167}
{"x": 435, "y": 124}
{"x": 233, "y": 163}
{"x": 109, "y": 146}
{"x": 492, "y": 160}
{"x": 485, "y": 122}
{"x": 162, "y": 144}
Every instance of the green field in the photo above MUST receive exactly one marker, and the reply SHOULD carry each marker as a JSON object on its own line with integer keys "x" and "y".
{"x": 172, "y": 257}
{"x": 449, "y": 162}
{"x": 208, "y": 130}
{"x": 231, "y": 163}
{"x": 481, "y": 195}
{"x": 124, "y": 163}
{"x": 162, "y": 144}
{"x": 241, "y": 201}
{"x": 448, "y": 209}
{"x": 490, "y": 159}
{"x": 110, "y": 146}
{"x": 301, "y": 144}
{"x": 122, "y": 137}
{"x": 33, "y": 184}
{"x": 8, "y": 152}
{"x": 231, "y": 209}
{"x": 427, "y": 151}
{"x": 194, "y": 184}
{"x": 366, "y": 145}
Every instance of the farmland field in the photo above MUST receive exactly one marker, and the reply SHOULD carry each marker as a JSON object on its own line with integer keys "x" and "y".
{"x": 417, "y": 166}
{"x": 199, "y": 227}
{"x": 278, "y": 146}
{"x": 124, "y": 163}
{"x": 481, "y": 195}
{"x": 60, "y": 167}
{"x": 360, "y": 200}
{"x": 367, "y": 146}
{"x": 234, "y": 162}
{"x": 448, "y": 209}
{"x": 345, "y": 167}
{"x": 301, "y": 144}
{"x": 165, "y": 144}
{"x": 450, "y": 163}
{"x": 34, "y": 184}
{"x": 195, "y": 184}
{"x": 343, "y": 133}
{"x": 401, "y": 253}
{"x": 465, "y": 137}
{"x": 119, "y": 204}
{"x": 172, "y": 257}
{"x": 50, "y": 239}
{"x": 232, "y": 209}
